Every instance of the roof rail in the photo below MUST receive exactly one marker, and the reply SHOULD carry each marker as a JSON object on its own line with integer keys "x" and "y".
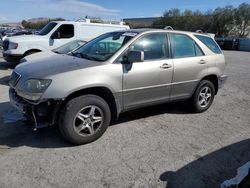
{"x": 168, "y": 28}
{"x": 199, "y": 31}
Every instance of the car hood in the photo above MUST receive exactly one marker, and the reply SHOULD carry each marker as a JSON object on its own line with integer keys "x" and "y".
{"x": 36, "y": 56}
{"x": 44, "y": 64}
{"x": 22, "y": 38}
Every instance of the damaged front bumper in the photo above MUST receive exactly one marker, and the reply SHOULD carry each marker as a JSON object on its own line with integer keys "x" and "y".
{"x": 43, "y": 114}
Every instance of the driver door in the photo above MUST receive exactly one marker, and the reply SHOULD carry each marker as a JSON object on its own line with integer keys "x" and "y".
{"x": 149, "y": 81}
{"x": 64, "y": 34}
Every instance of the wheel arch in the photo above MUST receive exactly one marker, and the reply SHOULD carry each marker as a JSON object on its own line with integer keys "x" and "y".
{"x": 31, "y": 50}
{"x": 214, "y": 79}
{"x": 102, "y": 92}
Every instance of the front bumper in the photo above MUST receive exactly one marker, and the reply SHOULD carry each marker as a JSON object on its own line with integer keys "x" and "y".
{"x": 18, "y": 103}
{"x": 42, "y": 113}
{"x": 222, "y": 80}
{"x": 11, "y": 57}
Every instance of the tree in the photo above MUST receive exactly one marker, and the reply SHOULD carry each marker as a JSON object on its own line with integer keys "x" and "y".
{"x": 38, "y": 25}
{"x": 223, "y": 20}
{"x": 242, "y": 19}
{"x": 24, "y": 23}
{"x": 187, "y": 20}
{"x": 174, "y": 12}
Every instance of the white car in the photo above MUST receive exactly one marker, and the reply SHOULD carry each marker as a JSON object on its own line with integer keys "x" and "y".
{"x": 53, "y": 35}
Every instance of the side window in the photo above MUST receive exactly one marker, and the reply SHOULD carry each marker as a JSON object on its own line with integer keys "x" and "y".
{"x": 198, "y": 51}
{"x": 66, "y": 31}
{"x": 183, "y": 46}
{"x": 210, "y": 43}
{"x": 154, "y": 46}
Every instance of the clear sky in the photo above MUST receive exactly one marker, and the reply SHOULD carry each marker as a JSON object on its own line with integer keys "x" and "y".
{"x": 17, "y": 10}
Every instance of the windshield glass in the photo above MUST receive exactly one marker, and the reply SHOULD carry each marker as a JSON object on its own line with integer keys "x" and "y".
{"x": 47, "y": 28}
{"x": 104, "y": 47}
{"x": 69, "y": 47}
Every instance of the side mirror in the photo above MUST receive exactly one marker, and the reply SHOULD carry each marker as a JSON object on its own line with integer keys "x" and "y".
{"x": 135, "y": 56}
{"x": 56, "y": 35}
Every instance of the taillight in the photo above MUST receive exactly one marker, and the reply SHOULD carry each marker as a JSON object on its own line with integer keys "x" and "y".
{"x": 5, "y": 45}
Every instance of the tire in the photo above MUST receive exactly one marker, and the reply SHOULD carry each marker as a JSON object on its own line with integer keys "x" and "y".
{"x": 203, "y": 96}
{"x": 84, "y": 119}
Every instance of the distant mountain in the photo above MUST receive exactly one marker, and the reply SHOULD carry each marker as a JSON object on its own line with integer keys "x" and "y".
{"x": 36, "y": 20}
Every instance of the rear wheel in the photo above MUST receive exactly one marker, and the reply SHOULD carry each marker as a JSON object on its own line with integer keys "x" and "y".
{"x": 84, "y": 119}
{"x": 203, "y": 96}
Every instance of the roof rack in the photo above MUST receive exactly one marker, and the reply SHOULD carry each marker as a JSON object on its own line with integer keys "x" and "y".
{"x": 168, "y": 28}
{"x": 87, "y": 20}
{"x": 83, "y": 20}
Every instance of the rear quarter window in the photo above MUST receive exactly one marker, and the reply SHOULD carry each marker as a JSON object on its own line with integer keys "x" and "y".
{"x": 210, "y": 43}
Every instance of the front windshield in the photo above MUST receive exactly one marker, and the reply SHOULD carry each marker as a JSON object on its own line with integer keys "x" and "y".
{"x": 69, "y": 47}
{"x": 47, "y": 28}
{"x": 104, "y": 47}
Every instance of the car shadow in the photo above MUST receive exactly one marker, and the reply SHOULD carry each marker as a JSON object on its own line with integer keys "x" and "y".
{"x": 7, "y": 65}
{"x": 5, "y": 80}
{"x": 180, "y": 107}
{"x": 15, "y": 131}
{"x": 210, "y": 170}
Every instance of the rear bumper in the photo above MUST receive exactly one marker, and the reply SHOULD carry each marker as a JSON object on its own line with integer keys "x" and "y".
{"x": 11, "y": 57}
{"x": 222, "y": 80}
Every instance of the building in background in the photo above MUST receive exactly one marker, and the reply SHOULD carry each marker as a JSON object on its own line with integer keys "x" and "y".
{"x": 141, "y": 22}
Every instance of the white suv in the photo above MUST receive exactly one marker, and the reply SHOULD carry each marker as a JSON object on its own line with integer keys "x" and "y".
{"x": 53, "y": 35}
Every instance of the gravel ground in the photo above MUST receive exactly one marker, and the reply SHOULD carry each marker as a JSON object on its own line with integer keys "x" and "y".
{"x": 161, "y": 146}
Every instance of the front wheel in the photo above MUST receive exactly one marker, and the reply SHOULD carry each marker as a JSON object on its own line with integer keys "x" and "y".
{"x": 84, "y": 119}
{"x": 203, "y": 96}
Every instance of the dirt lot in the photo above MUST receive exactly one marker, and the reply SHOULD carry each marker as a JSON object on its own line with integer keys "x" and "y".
{"x": 154, "y": 147}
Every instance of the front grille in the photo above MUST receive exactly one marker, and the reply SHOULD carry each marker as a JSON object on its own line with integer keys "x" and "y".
{"x": 14, "y": 78}
{"x": 5, "y": 45}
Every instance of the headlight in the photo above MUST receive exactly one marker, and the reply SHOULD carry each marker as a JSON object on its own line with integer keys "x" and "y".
{"x": 13, "y": 45}
{"x": 33, "y": 89}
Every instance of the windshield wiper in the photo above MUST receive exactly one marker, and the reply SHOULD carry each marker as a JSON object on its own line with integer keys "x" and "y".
{"x": 56, "y": 52}
{"x": 85, "y": 56}
{"x": 78, "y": 54}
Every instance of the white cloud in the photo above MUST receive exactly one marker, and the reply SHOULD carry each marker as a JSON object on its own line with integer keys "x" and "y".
{"x": 74, "y": 6}
{"x": 81, "y": 7}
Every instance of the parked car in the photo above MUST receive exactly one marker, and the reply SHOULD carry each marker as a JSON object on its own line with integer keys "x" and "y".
{"x": 228, "y": 43}
{"x": 1, "y": 42}
{"x": 53, "y": 35}
{"x": 67, "y": 48}
{"x": 114, "y": 73}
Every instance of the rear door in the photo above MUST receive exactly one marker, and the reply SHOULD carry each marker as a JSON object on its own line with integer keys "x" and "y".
{"x": 190, "y": 65}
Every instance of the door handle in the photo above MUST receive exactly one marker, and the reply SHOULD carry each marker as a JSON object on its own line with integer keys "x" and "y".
{"x": 202, "y": 62}
{"x": 165, "y": 66}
